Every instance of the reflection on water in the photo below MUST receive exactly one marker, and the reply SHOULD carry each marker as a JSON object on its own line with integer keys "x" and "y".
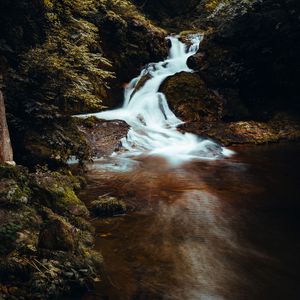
{"x": 207, "y": 230}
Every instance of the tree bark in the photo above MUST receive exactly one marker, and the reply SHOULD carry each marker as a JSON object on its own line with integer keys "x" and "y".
{"x": 6, "y": 153}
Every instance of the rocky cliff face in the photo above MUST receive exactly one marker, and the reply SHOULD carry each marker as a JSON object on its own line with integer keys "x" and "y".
{"x": 251, "y": 51}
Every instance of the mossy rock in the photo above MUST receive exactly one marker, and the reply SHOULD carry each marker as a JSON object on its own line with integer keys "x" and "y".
{"x": 57, "y": 192}
{"x": 57, "y": 235}
{"x": 8, "y": 237}
{"x": 189, "y": 97}
{"x": 107, "y": 206}
{"x": 14, "y": 188}
{"x": 11, "y": 193}
{"x": 54, "y": 145}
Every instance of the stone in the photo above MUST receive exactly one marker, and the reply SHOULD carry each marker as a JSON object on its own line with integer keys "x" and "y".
{"x": 57, "y": 235}
{"x": 190, "y": 99}
{"x": 10, "y": 192}
{"x": 107, "y": 206}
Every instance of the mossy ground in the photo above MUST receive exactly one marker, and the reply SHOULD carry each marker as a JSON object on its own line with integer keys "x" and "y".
{"x": 46, "y": 241}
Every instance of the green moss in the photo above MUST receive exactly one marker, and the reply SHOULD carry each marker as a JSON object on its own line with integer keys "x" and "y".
{"x": 107, "y": 206}
{"x": 8, "y": 237}
{"x": 211, "y": 5}
{"x": 14, "y": 187}
{"x": 56, "y": 191}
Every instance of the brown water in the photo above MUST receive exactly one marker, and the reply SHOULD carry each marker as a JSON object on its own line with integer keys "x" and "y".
{"x": 207, "y": 230}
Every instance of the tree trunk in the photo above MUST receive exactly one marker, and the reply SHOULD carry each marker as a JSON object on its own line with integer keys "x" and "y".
{"x": 6, "y": 154}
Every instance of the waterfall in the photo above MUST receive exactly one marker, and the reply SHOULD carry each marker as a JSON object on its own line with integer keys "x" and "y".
{"x": 152, "y": 123}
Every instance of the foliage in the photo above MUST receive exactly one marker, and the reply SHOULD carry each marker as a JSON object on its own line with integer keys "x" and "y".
{"x": 54, "y": 65}
{"x": 56, "y": 69}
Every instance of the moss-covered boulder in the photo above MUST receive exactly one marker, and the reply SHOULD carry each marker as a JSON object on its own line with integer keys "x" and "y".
{"x": 107, "y": 206}
{"x": 54, "y": 145}
{"x": 190, "y": 99}
{"x": 57, "y": 235}
{"x": 56, "y": 191}
{"x": 282, "y": 127}
{"x": 46, "y": 243}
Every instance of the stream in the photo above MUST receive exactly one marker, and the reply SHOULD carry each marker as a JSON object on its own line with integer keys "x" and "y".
{"x": 203, "y": 222}
{"x": 207, "y": 230}
{"x": 153, "y": 126}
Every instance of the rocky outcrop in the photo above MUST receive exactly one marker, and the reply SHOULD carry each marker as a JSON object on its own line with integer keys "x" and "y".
{"x": 190, "y": 99}
{"x": 281, "y": 128}
{"x": 103, "y": 137}
{"x": 6, "y": 154}
{"x": 249, "y": 46}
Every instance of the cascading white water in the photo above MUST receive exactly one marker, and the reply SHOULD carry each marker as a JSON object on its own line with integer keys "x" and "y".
{"x": 153, "y": 125}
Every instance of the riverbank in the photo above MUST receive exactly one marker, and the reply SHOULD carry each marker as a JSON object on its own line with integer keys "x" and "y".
{"x": 46, "y": 237}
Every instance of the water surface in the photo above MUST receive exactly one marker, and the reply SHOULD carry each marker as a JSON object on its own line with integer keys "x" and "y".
{"x": 206, "y": 230}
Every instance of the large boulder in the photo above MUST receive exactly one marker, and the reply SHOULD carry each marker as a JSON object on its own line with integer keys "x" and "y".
{"x": 103, "y": 137}
{"x": 190, "y": 99}
{"x": 56, "y": 192}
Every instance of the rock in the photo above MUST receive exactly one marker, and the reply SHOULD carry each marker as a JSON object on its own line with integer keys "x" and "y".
{"x": 57, "y": 235}
{"x": 8, "y": 237}
{"x": 242, "y": 53}
{"x": 103, "y": 136}
{"x": 196, "y": 61}
{"x": 11, "y": 193}
{"x": 190, "y": 99}
{"x": 56, "y": 192}
{"x": 107, "y": 206}
{"x": 280, "y": 128}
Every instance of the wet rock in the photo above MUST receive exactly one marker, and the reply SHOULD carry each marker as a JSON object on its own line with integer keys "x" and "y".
{"x": 190, "y": 99}
{"x": 107, "y": 206}
{"x": 280, "y": 128}
{"x": 57, "y": 235}
{"x": 103, "y": 136}
{"x": 196, "y": 61}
